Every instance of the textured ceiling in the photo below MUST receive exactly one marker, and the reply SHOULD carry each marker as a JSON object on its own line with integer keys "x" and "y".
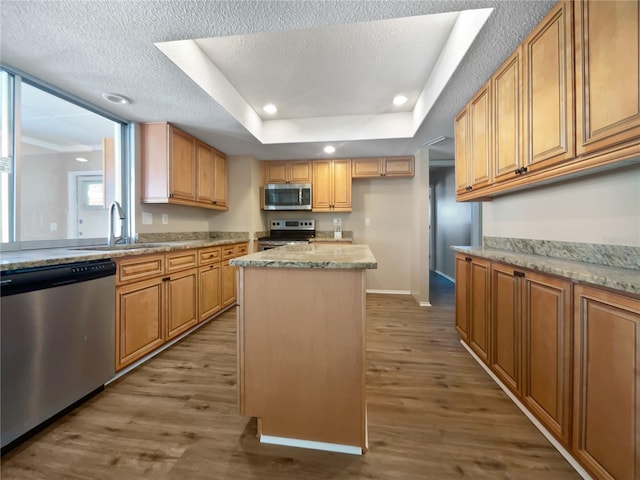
{"x": 90, "y": 47}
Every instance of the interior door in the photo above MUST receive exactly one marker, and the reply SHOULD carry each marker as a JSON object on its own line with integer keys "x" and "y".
{"x": 91, "y": 215}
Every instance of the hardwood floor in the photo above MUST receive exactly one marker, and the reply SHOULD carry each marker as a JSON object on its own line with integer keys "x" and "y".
{"x": 433, "y": 414}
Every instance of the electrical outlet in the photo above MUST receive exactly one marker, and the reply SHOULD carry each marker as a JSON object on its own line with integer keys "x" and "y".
{"x": 53, "y": 226}
{"x": 165, "y": 218}
{"x": 337, "y": 221}
{"x": 367, "y": 221}
{"x": 147, "y": 218}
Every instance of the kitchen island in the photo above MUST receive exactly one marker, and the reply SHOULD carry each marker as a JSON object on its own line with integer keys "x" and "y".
{"x": 301, "y": 345}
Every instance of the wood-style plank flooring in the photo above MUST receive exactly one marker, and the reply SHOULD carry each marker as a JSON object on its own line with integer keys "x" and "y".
{"x": 433, "y": 414}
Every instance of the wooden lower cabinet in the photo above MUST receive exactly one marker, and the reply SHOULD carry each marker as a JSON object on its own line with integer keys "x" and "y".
{"x": 472, "y": 305}
{"x": 210, "y": 291}
{"x": 606, "y": 383}
{"x": 228, "y": 283}
{"x": 505, "y": 358}
{"x": 546, "y": 351}
{"x": 161, "y": 296}
{"x": 182, "y": 302}
{"x": 531, "y": 342}
{"x": 139, "y": 320}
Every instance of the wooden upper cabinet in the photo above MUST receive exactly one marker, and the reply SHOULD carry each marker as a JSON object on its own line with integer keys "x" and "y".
{"x": 606, "y": 383}
{"x": 293, "y": 171}
{"x": 480, "y": 138}
{"x": 331, "y": 186}
{"x": 507, "y": 119}
{"x": 212, "y": 175}
{"x": 382, "y": 167}
{"x": 206, "y": 164}
{"x": 473, "y": 143}
{"x": 607, "y": 73}
{"x": 178, "y": 168}
{"x": 548, "y": 90}
{"x": 461, "y": 132}
{"x": 182, "y": 165}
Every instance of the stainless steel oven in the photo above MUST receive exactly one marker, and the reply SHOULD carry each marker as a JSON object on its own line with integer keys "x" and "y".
{"x": 287, "y": 232}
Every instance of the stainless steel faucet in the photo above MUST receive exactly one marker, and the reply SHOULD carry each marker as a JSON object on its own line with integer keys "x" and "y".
{"x": 112, "y": 239}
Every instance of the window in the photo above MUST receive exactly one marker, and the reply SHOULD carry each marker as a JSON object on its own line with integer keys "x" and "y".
{"x": 61, "y": 167}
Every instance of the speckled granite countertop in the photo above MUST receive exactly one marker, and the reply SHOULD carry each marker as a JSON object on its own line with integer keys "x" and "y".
{"x": 311, "y": 256}
{"x": 55, "y": 256}
{"x": 624, "y": 279}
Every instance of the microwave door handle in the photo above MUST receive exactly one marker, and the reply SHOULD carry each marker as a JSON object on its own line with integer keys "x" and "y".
{"x": 300, "y": 196}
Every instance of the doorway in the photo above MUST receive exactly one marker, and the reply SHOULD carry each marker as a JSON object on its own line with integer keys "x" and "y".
{"x": 88, "y": 216}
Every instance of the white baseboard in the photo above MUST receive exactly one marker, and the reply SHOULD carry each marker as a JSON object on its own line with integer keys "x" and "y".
{"x": 445, "y": 276}
{"x": 425, "y": 304}
{"x": 567, "y": 456}
{"x": 327, "y": 447}
{"x": 389, "y": 292}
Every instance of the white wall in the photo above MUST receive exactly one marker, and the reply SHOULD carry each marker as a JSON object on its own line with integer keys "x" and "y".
{"x": 419, "y": 239}
{"x": 600, "y": 208}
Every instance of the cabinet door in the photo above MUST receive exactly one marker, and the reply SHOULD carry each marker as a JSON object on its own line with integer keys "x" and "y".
{"x": 182, "y": 302}
{"x": 206, "y": 173}
{"x": 505, "y": 326}
{"x": 321, "y": 190}
{"x": 220, "y": 180}
{"x": 139, "y": 320}
{"x": 366, "y": 167}
{"x": 182, "y": 165}
{"x": 398, "y": 167}
{"x": 299, "y": 172}
{"x": 228, "y": 279}
{"x": 507, "y": 153}
{"x": 479, "y": 308}
{"x": 607, "y": 73}
{"x": 546, "y": 351}
{"x": 462, "y": 296}
{"x": 209, "y": 289}
{"x": 480, "y": 137}
{"x": 461, "y": 148}
{"x": 606, "y": 383}
{"x": 341, "y": 185}
{"x": 275, "y": 172}
{"x": 548, "y": 93}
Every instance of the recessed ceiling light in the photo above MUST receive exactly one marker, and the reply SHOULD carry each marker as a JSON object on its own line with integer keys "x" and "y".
{"x": 115, "y": 98}
{"x": 270, "y": 108}
{"x": 329, "y": 149}
{"x": 399, "y": 100}
{"x": 81, "y": 159}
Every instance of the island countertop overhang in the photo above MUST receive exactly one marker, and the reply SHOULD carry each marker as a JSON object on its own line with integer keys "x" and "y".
{"x": 311, "y": 256}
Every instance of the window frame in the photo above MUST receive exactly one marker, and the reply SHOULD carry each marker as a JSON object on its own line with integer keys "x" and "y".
{"x": 126, "y": 155}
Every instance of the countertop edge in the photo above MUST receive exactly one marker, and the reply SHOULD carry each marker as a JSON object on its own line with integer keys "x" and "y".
{"x": 625, "y": 280}
{"x": 14, "y": 260}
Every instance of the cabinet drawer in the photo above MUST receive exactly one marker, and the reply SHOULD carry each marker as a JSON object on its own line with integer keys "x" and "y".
{"x": 209, "y": 255}
{"x": 242, "y": 249}
{"x": 181, "y": 260}
{"x": 228, "y": 251}
{"x": 139, "y": 268}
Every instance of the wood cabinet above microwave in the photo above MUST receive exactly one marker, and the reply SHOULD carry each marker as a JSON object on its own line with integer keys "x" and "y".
{"x": 180, "y": 169}
{"x": 382, "y": 167}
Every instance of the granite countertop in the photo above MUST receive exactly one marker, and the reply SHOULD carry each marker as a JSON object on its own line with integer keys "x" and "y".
{"x": 12, "y": 260}
{"x": 624, "y": 279}
{"x": 311, "y": 256}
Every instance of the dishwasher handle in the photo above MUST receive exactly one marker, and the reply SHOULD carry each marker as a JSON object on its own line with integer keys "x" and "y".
{"x": 39, "y": 278}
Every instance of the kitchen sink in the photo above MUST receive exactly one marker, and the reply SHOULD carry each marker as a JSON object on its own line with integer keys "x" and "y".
{"x": 131, "y": 246}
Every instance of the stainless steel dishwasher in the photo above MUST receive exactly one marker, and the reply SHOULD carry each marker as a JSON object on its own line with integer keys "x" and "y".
{"x": 57, "y": 329}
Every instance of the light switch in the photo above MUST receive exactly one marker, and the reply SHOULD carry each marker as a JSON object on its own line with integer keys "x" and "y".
{"x": 147, "y": 218}
{"x": 367, "y": 221}
{"x": 165, "y": 218}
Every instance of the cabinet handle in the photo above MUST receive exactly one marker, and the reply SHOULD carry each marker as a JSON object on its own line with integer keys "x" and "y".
{"x": 523, "y": 170}
{"x": 166, "y": 279}
{"x": 467, "y": 259}
{"x": 171, "y": 195}
{"x": 517, "y": 171}
{"x": 517, "y": 273}
{"x": 214, "y": 202}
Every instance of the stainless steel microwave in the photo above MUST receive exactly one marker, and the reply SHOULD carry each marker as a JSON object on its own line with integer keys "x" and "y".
{"x": 287, "y": 196}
